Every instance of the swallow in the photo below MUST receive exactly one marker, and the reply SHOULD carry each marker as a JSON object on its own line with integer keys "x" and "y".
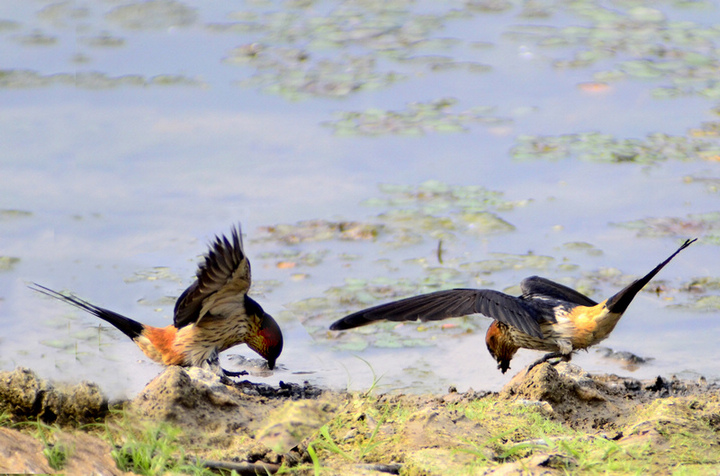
{"x": 547, "y": 316}
{"x": 213, "y": 314}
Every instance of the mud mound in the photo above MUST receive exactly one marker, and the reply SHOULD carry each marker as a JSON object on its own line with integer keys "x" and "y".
{"x": 196, "y": 399}
{"x": 584, "y": 401}
{"x": 24, "y": 396}
{"x": 226, "y": 415}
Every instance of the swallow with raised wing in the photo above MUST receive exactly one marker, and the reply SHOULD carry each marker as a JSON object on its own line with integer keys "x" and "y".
{"x": 212, "y": 315}
{"x": 547, "y": 316}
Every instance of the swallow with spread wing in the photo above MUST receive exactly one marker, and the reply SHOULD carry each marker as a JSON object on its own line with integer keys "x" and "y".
{"x": 547, "y": 316}
{"x": 212, "y": 315}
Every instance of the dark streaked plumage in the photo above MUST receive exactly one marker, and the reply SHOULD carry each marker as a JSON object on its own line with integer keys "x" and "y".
{"x": 450, "y": 303}
{"x": 546, "y": 316}
{"x": 212, "y": 314}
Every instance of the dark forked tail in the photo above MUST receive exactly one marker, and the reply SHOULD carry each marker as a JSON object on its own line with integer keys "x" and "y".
{"x": 620, "y": 302}
{"x": 130, "y": 328}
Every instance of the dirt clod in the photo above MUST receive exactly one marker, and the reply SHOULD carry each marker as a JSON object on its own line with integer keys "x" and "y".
{"x": 23, "y": 395}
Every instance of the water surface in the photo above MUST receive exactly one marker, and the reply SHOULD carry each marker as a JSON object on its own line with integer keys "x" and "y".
{"x": 127, "y": 143}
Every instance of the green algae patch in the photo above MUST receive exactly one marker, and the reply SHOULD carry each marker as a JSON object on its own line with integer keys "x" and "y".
{"x": 410, "y": 215}
{"x": 582, "y": 246}
{"x": 505, "y": 261}
{"x": 596, "y": 147}
{"x": 439, "y": 211}
{"x": 8, "y": 25}
{"x": 706, "y": 225}
{"x": 152, "y": 15}
{"x": 8, "y": 263}
{"x": 435, "y": 196}
{"x": 305, "y": 51}
{"x": 712, "y": 184}
{"x": 416, "y": 119}
{"x": 633, "y": 42}
{"x": 289, "y": 258}
{"x": 157, "y": 273}
{"x": 37, "y": 38}
{"x": 104, "y": 40}
{"x": 701, "y": 294}
{"x": 25, "y": 79}
{"x": 319, "y": 230}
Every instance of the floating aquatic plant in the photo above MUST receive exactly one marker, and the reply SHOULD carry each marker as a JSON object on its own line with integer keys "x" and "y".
{"x": 152, "y": 15}
{"x": 288, "y": 258}
{"x": 706, "y": 225}
{"x": 643, "y": 43}
{"x": 416, "y": 119}
{"x": 319, "y": 230}
{"x": 597, "y": 147}
{"x": 158, "y": 273}
{"x": 7, "y": 263}
{"x": 19, "y": 78}
{"x": 304, "y": 50}
{"x": 11, "y": 214}
{"x": 434, "y": 196}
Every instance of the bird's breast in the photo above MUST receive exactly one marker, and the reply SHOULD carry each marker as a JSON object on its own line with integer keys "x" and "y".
{"x": 213, "y": 334}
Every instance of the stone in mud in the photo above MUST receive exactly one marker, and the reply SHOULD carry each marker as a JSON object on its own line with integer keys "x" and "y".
{"x": 85, "y": 401}
{"x": 24, "y": 396}
{"x": 21, "y": 392}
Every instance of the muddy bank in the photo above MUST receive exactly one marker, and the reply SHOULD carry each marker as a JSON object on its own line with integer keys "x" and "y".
{"x": 549, "y": 421}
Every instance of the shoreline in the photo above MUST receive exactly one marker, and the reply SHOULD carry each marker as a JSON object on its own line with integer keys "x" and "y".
{"x": 553, "y": 419}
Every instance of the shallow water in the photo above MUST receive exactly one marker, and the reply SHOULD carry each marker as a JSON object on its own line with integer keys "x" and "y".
{"x": 123, "y": 180}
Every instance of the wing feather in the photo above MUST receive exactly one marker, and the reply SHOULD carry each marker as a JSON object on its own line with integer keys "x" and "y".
{"x": 225, "y": 265}
{"x": 446, "y": 304}
{"x": 535, "y": 286}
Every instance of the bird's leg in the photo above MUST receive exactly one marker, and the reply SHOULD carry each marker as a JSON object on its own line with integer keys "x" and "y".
{"x": 552, "y": 355}
{"x": 213, "y": 364}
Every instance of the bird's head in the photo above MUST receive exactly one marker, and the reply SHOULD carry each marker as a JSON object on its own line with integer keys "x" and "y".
{"x": 266, "y": 338}
{"x": 500, "y": 345}
{"x": 269, "y": 340}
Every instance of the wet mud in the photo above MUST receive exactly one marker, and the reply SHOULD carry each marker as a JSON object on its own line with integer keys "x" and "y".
{"x": 551, "y": 420}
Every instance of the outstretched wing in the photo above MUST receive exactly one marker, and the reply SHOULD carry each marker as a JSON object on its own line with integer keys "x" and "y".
{"x": 535, "y": 286}
{"x": 226, "y": 269}
{"x": 451, "y": 303}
